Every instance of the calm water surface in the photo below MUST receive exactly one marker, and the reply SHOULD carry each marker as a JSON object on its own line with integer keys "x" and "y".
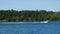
{"x": 52, "y": 27}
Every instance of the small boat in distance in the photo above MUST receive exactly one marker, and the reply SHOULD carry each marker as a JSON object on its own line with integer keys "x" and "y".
{"x": 44, "y": 21}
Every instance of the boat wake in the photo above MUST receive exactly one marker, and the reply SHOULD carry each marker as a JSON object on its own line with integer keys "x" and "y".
{"x": 23, "y": 22}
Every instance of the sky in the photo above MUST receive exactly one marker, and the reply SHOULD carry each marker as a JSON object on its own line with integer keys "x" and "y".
{"x": 53, "y": 5}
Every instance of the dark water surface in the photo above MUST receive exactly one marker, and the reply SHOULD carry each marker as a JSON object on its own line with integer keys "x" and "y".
{"x": 52, "y": 27}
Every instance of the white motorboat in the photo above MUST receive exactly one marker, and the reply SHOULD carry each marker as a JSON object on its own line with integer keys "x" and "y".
{"x": 44, "y": 21}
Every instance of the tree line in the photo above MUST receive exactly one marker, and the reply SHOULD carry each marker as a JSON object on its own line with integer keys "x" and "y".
{"x": 28, "y": 15}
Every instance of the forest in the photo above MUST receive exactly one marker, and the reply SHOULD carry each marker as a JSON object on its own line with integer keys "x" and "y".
{"x": 28, "y": 15}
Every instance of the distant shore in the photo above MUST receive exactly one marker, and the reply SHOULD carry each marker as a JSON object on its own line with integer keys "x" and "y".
{"x": 28, "y": 15}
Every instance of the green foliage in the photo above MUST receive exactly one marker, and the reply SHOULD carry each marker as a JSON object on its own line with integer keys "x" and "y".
{"x": 28, "y": 15}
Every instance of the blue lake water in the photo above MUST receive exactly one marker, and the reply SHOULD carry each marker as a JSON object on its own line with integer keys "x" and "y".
{"x": 52, "y": 27}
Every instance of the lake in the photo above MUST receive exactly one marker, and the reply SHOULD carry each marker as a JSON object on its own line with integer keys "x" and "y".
{"x": 52, "y": 27}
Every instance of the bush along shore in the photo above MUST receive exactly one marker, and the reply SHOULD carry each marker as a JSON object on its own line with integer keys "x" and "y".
{"x": 28, "y": 15}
